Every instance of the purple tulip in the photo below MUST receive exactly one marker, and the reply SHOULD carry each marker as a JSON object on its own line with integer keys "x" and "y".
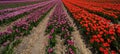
{"x": 17, "y": 37}
{"x": 71, "y": 51}
{"x": 70, "y": 42}
{"x": 25, "y": 22}
{"x": 6, "y": 43}
{"x": 52, "y": 30}
{"x": 21, "y": 11}
{"x": 50, "y": 37}
{"x": 50, "y": 50}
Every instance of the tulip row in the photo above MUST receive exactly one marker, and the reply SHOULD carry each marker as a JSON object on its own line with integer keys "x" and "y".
{"x": 6, "y": 2}
{"x": 10, "y": 17}
{"x": 109, "y": 6}
{"x": 19, "y": 8}
{"x": 17, "y": 4}
{"x": 99, "y": 33}
{"x": 110, "y": 15}
{"x": 23, "y": 26}
{"x": 59, "y": 25}
{"x": 107, "y": 1}
{"x": 25, "y": 21}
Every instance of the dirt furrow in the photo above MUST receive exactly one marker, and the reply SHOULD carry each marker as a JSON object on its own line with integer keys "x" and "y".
{"x": 79, "y": 44}
{"x": 60, "y": 48}
{"x": 35, "y": 42}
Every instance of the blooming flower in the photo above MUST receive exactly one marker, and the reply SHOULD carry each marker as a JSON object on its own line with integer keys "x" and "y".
{"x": 71, "y": 51}
{"x": 50, "y": 37}
{"x": 106, "y": 44}
{"x": 70, "y": 42}
{"x": 50, "y": 50}
{"x": 101, "y": 49}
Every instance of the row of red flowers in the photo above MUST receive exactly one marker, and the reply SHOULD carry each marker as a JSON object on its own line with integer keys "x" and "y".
{"x": 110, "y": 15}
{"x": 103, "y": 36}
{"x": 109, "y": 6}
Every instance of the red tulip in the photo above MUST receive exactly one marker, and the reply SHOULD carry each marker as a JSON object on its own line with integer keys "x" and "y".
{"x": 101, "y": 49}
{"x": 106, "y": 44}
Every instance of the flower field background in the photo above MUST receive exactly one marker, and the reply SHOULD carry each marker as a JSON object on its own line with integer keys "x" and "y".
{"x": 59, "y": 27}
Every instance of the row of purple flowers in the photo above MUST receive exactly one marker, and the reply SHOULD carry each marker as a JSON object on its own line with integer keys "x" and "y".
{"x": 22, "y": 7}
{"x": 23, "y": 26}
{"x": 59, "y": 25}
{"x": 12, "y": 16}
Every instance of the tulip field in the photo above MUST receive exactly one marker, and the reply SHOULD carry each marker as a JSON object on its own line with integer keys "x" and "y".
{"x": 59, "y": 27}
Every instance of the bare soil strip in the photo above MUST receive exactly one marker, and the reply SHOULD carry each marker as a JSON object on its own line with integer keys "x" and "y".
{"x": 60, "y": 48}
{"x": 79, "y": 44}
{"x": 35, "y": 43}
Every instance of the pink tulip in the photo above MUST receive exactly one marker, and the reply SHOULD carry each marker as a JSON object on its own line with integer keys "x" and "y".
{"x": 70, "y": 42}
{"x": 50, "y": 37}
{"x": 71, "y": 51}
{"x": 52, "y": 30}
{"x": 17, "y": 30}
{"x": 50, "y": 50}
{"x": 63, "y": 29}
{"x": 6, "y": 43}
{"x": 17, "y": 37}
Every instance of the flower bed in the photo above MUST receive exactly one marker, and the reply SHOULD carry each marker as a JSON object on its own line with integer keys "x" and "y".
{"x": 59, "y": 25}
{"x": 10, "y": 17}
{"x": 110, "y": 15}
{"x": 22, "y": 27}
{"x": 22, "y": 7}
{"x": 97, "y": 32}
